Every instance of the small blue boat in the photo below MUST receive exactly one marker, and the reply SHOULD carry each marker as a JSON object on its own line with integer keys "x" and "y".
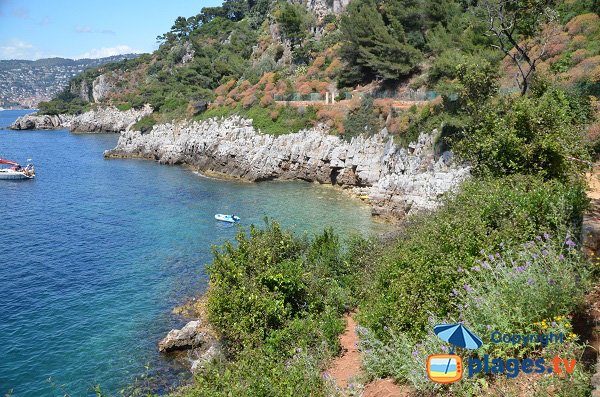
{"x": 227, "y": 218}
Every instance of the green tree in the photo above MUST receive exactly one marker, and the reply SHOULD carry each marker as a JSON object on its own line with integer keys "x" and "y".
{"x": 372, "y": 48}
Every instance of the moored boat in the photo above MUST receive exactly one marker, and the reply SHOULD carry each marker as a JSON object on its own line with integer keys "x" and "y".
{"x": 227, "y": 218}
{"x": 16, "y": 172}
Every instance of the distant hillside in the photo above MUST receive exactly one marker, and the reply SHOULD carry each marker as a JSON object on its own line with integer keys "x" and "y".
{"x": 25, "y": 83}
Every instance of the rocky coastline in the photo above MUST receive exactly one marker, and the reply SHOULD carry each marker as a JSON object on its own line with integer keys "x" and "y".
{"x": 108, "y": 119}
{"x": 394, "y": 180}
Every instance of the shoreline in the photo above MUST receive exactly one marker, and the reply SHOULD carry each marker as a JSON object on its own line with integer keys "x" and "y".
{"x": 394, "y": 181}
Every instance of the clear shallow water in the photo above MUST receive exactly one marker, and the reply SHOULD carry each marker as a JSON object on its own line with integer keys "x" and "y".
{"x": 95, "y": 253}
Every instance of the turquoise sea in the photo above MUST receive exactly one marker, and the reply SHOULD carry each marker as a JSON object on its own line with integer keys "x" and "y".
{"x": 95, "y": 253}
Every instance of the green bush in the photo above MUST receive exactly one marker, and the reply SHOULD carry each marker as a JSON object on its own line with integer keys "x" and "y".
{"x": 144, "y": 124}
{"x": 537, "y": 134}
{"x": 420, "y": 270}
{"x": 362, "y": 121}
{"x": 273, "y": 278}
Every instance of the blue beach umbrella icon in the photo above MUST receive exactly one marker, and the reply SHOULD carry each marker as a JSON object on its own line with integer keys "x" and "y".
{"x": 458, "y": 335}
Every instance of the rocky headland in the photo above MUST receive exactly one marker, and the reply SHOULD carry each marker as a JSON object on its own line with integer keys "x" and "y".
{"x": 107, "y": 119}
{"x": 393, "y": 179}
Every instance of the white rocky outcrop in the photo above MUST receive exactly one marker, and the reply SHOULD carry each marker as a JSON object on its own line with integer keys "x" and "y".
{"x": 108, "y": 119}
{"x": 396, "y": 180}
{"x": 44, "y": 122}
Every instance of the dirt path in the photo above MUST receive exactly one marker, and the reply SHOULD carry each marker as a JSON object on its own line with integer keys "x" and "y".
{"x": 347, "y": 368}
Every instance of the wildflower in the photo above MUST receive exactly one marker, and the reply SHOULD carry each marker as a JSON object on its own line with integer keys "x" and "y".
{"x": 530, "y": 281}
{"x": 444, "y": 348}
{"x": 553, "y": 324}
{"x": 488, "y": 327}
{"x": 455, "y": 291}
{"x": 544, "y": 252}
{"x": 538, "y": 238}
{"x": 491, "y": 257}
{"x": 385, "y": 328}
{"x": 414, "y": 353}
{"x": 298, "y": 350}
{"x": 570, "y": 243}
{"x": 527, "y": 264}
{"x": 546, "y": 236}
{"x": 486, "y": 265}
{"x": 519, "y": 269}
{"x": 482, "y": 252}
{"x": 501, "y": 244}
{"x": 460, "y": 269}
{"x": 497, "y": 255}
{"x": 561, "y": 257}
{"x": 476, "y": 268}
{"x": 468, "y": 288}
{"x": 551, "y": 282}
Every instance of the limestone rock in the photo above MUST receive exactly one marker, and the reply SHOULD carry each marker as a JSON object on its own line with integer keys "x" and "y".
{"x": 397, "y": 181}
{"x": 101, "y": 87}
{"x": 44, "y": 122}
{"x": 190, "y": 336}
{"x": 108, "y": 119}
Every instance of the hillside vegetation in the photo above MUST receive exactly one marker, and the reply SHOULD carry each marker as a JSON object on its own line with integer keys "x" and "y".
{"x": 500, "y": 253}
{"x": 252, "y": 57}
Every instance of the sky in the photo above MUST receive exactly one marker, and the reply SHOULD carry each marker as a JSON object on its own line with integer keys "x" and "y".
{"x": 34, "y": 29}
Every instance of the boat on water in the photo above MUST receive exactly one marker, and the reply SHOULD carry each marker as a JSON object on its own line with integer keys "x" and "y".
{"x": 16, "y": 172}
{"x": 227, "y": 218}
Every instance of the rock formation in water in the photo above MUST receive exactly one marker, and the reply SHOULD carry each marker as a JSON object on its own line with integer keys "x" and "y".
{"x": 396, "y": 180}
{"x": 195, "y": 338}
{"x": 108, "y": 119}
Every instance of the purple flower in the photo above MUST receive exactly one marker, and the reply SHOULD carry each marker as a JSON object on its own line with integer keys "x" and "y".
{"x": 553, "y": 324}
{"x": 488, "y": 327}
{"x": 444, "y": 348}
{"x": 476, "y": 268}
{"x": 544, "y": 252}
{"x": 298, "y": 350}
{"x": 482, "y": 252}
{"x": 527, "y": 264}
{"x": 414, "y": 353}
{"x": 546, "y": 236}
{"x": 530, "y": 281}
{"x": 385, "y": 328}
{"x": 460, "y": 269}
{"x": 455, "y": 291}
{"x": 551, "y": 282}
{"x": 497, "y": 255}
{"x": 486, "y": 265}
{"x": 538, "y": 238}
{"x": 501, "y": 244}
{"x": 519, "y": 269}
{"x": 561, "y": 257}
{"x": 570, "y": 243}
{"x": 468, "y": 288}
{"x": 491, "y": 257}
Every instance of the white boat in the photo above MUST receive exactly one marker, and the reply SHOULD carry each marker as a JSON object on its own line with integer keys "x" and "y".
{"x": 227, "y": 218}
{"x": 16, "y": 172}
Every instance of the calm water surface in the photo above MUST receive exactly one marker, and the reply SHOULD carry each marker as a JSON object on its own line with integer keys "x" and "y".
{"x": 95, "y": 253}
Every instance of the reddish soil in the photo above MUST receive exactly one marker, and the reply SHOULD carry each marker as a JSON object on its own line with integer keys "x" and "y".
{"x": 348, "y": 367}
{"x": 385, "y": 388}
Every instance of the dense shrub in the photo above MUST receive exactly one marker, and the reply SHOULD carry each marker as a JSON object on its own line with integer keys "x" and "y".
{"x": 420, "y": 270}
{"x": 538, "y": 134}
{"x": 525, "y": 289}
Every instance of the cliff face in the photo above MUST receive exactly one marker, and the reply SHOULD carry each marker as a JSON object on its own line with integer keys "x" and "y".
{"x": 396, "y": 180}
{"x": 108, "y": 119}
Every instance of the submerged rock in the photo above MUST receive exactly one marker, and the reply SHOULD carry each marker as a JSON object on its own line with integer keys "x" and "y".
{"x": 394, "y": 180}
